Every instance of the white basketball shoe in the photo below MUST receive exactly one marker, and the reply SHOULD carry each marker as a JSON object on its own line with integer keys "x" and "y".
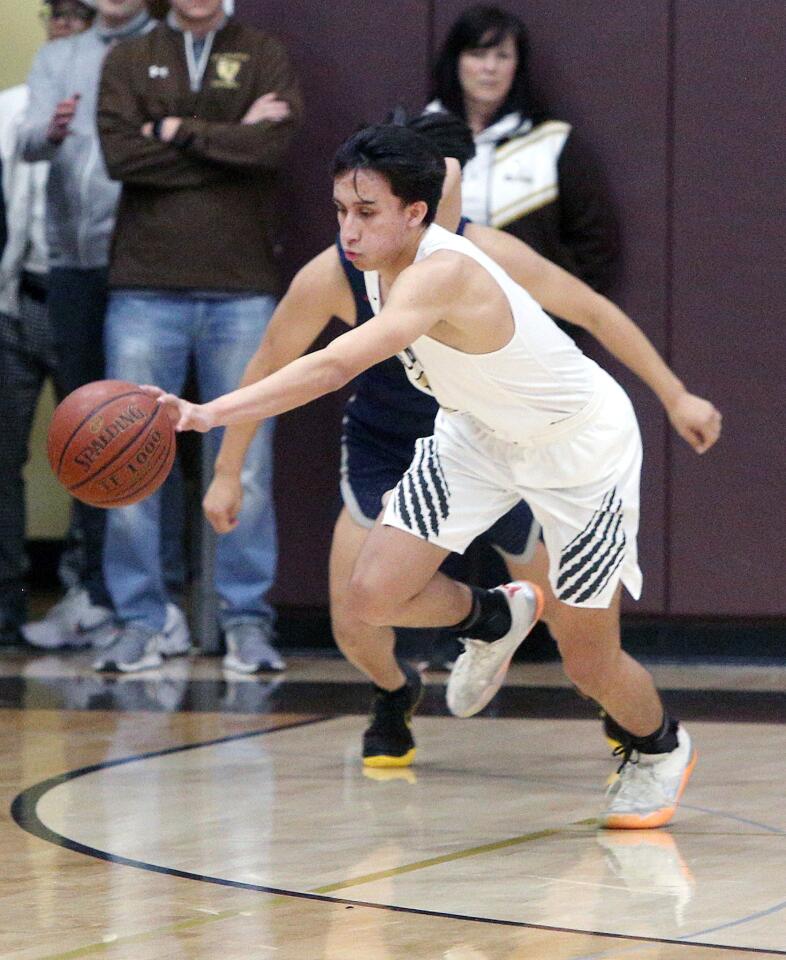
{"x": 646, "y": 792}
{"x": 480, "y": 670}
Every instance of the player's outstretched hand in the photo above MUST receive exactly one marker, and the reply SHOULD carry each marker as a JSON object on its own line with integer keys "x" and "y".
{"x": 696, "y": 420}
{"x": 223, "y": 501}
{"x": 184, "y": 415}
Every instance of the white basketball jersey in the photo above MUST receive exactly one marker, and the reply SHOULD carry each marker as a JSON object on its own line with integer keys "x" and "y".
{"x": 536, "y": 381}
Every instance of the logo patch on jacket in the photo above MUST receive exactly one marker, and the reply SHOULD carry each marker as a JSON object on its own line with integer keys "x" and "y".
{"x": 227, "y": 66}
{"x": 154, "y": 71}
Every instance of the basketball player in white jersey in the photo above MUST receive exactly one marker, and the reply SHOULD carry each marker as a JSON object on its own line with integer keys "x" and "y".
{"x": 523, "y": 414}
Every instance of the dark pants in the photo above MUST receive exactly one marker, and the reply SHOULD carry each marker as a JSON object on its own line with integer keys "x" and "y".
{"x": 77, "y": 306}
{"x": 27, "y": 358}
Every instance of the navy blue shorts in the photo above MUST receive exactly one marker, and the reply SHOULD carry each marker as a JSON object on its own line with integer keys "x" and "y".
{"x": 373, "y": 462}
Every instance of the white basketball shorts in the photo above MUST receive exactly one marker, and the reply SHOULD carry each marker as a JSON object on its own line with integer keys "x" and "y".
{"x": 582, "y": 484}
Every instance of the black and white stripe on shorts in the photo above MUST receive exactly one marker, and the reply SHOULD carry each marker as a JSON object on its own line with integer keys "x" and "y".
{"x": 590, "y": 559}
{"x": 422, "y": 495}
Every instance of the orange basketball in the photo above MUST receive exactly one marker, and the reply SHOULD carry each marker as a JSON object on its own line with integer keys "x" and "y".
{"x": 110, "y": 444}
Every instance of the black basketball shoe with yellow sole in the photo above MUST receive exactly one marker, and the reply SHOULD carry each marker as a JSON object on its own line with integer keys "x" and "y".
{"x": 388, "y": 741}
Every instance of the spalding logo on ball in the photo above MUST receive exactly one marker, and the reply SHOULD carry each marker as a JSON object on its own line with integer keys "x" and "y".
{"x": 110, "y": 444}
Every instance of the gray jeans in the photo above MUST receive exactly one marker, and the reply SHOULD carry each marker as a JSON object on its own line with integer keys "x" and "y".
{"x": 27, "y": 358}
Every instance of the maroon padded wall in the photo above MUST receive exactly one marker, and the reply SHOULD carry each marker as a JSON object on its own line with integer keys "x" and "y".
{"x": 728, "y": 552}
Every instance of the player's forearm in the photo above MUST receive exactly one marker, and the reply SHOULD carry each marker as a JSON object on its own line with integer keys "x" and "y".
{"x": 629, "y": 344}
{"x": 237, "y": 438}
{"x": 298, "y": 383}
{"x": 234, "y": 446}
{"x": 287, "y": 338}
{"x": 570, "y": 298}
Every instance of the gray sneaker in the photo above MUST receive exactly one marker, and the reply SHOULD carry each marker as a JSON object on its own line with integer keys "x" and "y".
{"x": 250, "y": 650}
{"x": 136, "y": 648}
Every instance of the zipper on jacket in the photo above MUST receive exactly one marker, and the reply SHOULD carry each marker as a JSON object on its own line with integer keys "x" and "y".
{"x": 490, "y": 181}
{"x": 196, "y": 68}
{"x": 86, "y": 210}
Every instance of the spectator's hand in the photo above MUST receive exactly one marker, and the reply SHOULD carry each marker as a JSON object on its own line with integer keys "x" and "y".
{"x": 60, "y": 122}
{"x": 695, "y": 420}
{"x": 184, "y": 415}
{"x": 169, "y": 127}
{"x": 223, "y": 501}
{"x": 267, "y": 107}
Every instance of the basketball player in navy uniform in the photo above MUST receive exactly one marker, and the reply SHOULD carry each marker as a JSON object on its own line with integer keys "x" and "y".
{"x": 523, "y": 415}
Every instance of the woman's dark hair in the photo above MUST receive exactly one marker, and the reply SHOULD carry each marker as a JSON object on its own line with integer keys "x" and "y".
{"x": 412, "y": 165}
{"x": 478, "y": 28}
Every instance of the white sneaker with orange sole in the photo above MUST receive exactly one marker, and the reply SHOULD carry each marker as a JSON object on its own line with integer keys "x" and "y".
{"x": 480, "y": 670}
{"x": 646, "y": 792}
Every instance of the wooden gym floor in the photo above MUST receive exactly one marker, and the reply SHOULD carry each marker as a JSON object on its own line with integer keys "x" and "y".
{"x": 186, "y": 814}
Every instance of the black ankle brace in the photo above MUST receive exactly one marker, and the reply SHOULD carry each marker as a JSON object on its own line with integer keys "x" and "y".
{"x": 663, "y": 740}
{"x": 489, "y": 618}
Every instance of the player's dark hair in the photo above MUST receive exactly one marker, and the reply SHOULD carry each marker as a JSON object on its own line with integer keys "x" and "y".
{"x": 413, "y": 167}
{"x": 449, "y": 134}
{"x": 478, "y": 28}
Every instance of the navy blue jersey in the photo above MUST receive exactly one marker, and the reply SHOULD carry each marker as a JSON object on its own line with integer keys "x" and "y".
{"x": 383, "y": 399}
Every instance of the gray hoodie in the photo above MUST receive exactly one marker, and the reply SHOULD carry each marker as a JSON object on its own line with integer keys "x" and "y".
{"x": 81, "y": 199}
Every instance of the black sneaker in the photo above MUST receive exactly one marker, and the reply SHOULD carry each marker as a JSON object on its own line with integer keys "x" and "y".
{"x": 388, "y": 742}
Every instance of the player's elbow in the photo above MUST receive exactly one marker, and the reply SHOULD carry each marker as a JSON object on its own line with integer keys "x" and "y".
{"x": 335, "y": 370}
{"x": 592, "y": 317}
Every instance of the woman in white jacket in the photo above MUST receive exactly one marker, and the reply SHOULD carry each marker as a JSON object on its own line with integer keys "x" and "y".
{"x": 530, "y": 176}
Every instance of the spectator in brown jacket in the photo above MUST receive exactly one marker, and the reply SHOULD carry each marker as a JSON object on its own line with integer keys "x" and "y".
{"x": 195, "y": 120}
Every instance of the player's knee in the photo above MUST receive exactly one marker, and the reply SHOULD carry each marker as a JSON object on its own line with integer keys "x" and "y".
{"x": 371, "y": 602}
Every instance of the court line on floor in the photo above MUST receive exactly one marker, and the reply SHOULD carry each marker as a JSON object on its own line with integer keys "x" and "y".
{"x": 24, "y": 814}
{"x": 451, "y": 857}
{"x": 178, "y": 927}
{"x": 733, "y": 816}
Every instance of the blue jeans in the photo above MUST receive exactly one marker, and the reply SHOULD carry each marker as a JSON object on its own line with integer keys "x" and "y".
{"x": 150, "y": 338}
